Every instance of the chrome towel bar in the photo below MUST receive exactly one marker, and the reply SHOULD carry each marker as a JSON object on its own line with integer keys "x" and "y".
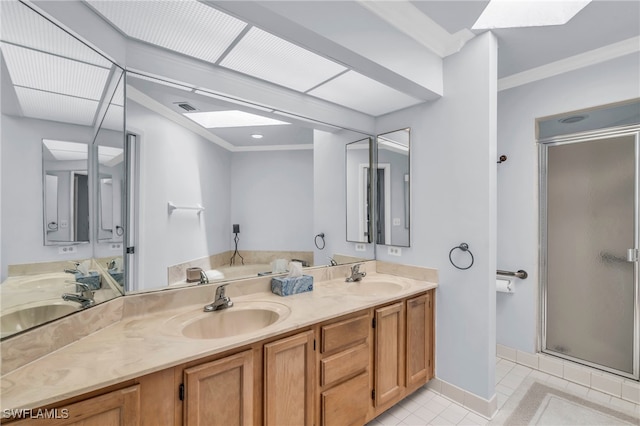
{"x": 520, "y": 274}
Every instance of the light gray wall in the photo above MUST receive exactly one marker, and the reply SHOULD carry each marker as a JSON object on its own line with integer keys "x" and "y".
{"x": 329, "y": 195}
{"x": 272, "y": 200}
{"x": 453, "y": 147}
{"x": 612, "y": 81}
{"x": 22, "y": 215}
{"x": 179, "y": 166}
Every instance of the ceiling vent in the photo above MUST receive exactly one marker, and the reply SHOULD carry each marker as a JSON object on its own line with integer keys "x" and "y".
{"x": 186, "y": 106}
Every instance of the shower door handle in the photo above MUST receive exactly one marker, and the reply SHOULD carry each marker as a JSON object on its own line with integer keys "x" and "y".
{"x": 632, "y": 255}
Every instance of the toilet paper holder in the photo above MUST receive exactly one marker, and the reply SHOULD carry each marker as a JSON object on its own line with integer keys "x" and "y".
{"x": 519, "y": 274}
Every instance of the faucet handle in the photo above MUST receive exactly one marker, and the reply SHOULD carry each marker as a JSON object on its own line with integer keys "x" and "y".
{"x": 355, "y": 268}
{"x": 204, "y": 279}
{"x": 220, "y": 291}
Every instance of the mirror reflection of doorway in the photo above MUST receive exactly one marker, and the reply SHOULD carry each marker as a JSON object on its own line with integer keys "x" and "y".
{"x": 80, "y": 207}
{"x": 383, "y": 201}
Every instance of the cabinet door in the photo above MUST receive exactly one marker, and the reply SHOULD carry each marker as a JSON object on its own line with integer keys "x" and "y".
{"x": 117, "y": 408}
{"x": 347, "y": 403}
{"x": 220, "y": 392}
{"x": 418, "y": 340}
{"x": 389, "y": 353}
{"x": 289, "y": 381}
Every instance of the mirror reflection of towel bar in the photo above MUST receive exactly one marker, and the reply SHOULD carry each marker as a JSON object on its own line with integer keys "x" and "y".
{"x": 520, "y": 274}
{"x": 171, "y": 207}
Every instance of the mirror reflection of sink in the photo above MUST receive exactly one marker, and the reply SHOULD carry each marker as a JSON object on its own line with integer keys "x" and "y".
{"x": 374, "y": 288}
{"x": 32, "y": 316}
{"x": 242, "y": 318}
{"x": 51, "y": 280}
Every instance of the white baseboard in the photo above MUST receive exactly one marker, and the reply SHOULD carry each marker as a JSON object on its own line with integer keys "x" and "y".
{"x": 471, "y": 401}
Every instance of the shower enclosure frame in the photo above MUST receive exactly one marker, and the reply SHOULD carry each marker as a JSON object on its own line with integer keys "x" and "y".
{"x": 543, "y": 146}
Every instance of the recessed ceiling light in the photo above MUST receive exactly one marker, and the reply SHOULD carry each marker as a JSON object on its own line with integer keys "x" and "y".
{"x": 234, "y": 118}
{"x": 257, "y": 136}
{"x": 527, "y": 13}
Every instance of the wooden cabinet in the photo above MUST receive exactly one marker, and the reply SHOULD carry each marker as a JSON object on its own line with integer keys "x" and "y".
{"x": 365, "y": 362}
{"x": 344, "y": 371}
{"x": 419, "y": 341}
{"x": 289, "y": 384}
{"x": 116, "y": 408}
{"x": 389, "y": 362}
{"x": 220, "y": 392}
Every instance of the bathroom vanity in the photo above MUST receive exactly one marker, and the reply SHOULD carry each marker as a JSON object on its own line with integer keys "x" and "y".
{"x": 341, "y": 354}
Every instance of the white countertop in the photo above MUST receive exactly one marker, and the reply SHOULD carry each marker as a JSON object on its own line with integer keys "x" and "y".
{"x": 143, "y": 344}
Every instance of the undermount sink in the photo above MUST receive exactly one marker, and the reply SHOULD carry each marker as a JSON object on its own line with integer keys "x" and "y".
{"x": 374, "y": 288}
{"x": 241, "y": 318}
{"x": 32, "y": 316}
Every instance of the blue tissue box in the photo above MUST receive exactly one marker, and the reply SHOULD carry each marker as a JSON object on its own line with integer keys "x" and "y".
{"x": 117, "y": 276}
{"x": 286, "y": 286}
{"x": 93, "y": 280}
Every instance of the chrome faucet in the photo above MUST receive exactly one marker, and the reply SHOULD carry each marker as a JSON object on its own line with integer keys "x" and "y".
{"x": 205, "y": 280}
{"x": 85, "y": 298}
{"x": 332, "y": 261}
{"x": 221, "y": 301}
{"x": 356, "y": 275}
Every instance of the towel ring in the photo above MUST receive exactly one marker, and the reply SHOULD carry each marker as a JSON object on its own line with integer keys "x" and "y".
{"x": 315, "y": 241}
{"x": 464, "y": 247}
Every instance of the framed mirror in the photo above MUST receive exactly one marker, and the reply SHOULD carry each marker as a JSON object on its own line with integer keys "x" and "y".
{"x": 393, "y": 188}
{"x": 358, "y": 190}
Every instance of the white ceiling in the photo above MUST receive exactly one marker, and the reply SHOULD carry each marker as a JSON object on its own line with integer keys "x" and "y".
{"x": 372, "y": 57}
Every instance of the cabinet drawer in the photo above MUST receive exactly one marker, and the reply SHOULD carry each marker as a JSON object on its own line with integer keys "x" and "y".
{"x": 345, "y": 333}
{"x": 347, "y": 404}
{"x": 344, "y": 364}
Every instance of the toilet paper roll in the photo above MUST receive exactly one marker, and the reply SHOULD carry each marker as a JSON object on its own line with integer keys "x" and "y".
{"x": 504, "y": 286}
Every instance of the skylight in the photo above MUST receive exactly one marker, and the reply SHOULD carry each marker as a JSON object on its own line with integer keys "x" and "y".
{"x": 234, "y": 118}
{"x": 528, "y": 13}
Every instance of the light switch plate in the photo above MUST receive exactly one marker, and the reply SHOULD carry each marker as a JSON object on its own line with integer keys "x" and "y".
{"x": 394, "y": 251}
{"x": 115, "y": 246}
{"x": 396, "y": 221}
{"x": 361, "y": 247}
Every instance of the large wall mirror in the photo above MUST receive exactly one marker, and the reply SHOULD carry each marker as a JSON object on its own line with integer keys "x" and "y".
{"x": 56, "y": 110}
{"x": 218, "y": 165}
{"x": 393, "y": 188}
{"x": 236, "y": 199}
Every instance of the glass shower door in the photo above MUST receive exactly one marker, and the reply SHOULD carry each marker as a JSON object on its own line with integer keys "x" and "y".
{"x": 590, "y": 240}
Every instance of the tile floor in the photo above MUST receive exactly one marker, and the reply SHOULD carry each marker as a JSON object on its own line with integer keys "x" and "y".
{"x": 426, "y": 407}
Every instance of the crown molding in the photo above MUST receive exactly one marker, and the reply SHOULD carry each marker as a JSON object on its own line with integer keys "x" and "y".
{"x": 572, "y": 63}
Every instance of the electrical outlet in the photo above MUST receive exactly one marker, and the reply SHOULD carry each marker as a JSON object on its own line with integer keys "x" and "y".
{"x": 67, "y": 249}
{"x": 394, "y": 251}
{"x": 64, "y": 224}
{"x": 396, "y": 221}
{"x": 360, "y": 247}
{"x": 115, "y": 246}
